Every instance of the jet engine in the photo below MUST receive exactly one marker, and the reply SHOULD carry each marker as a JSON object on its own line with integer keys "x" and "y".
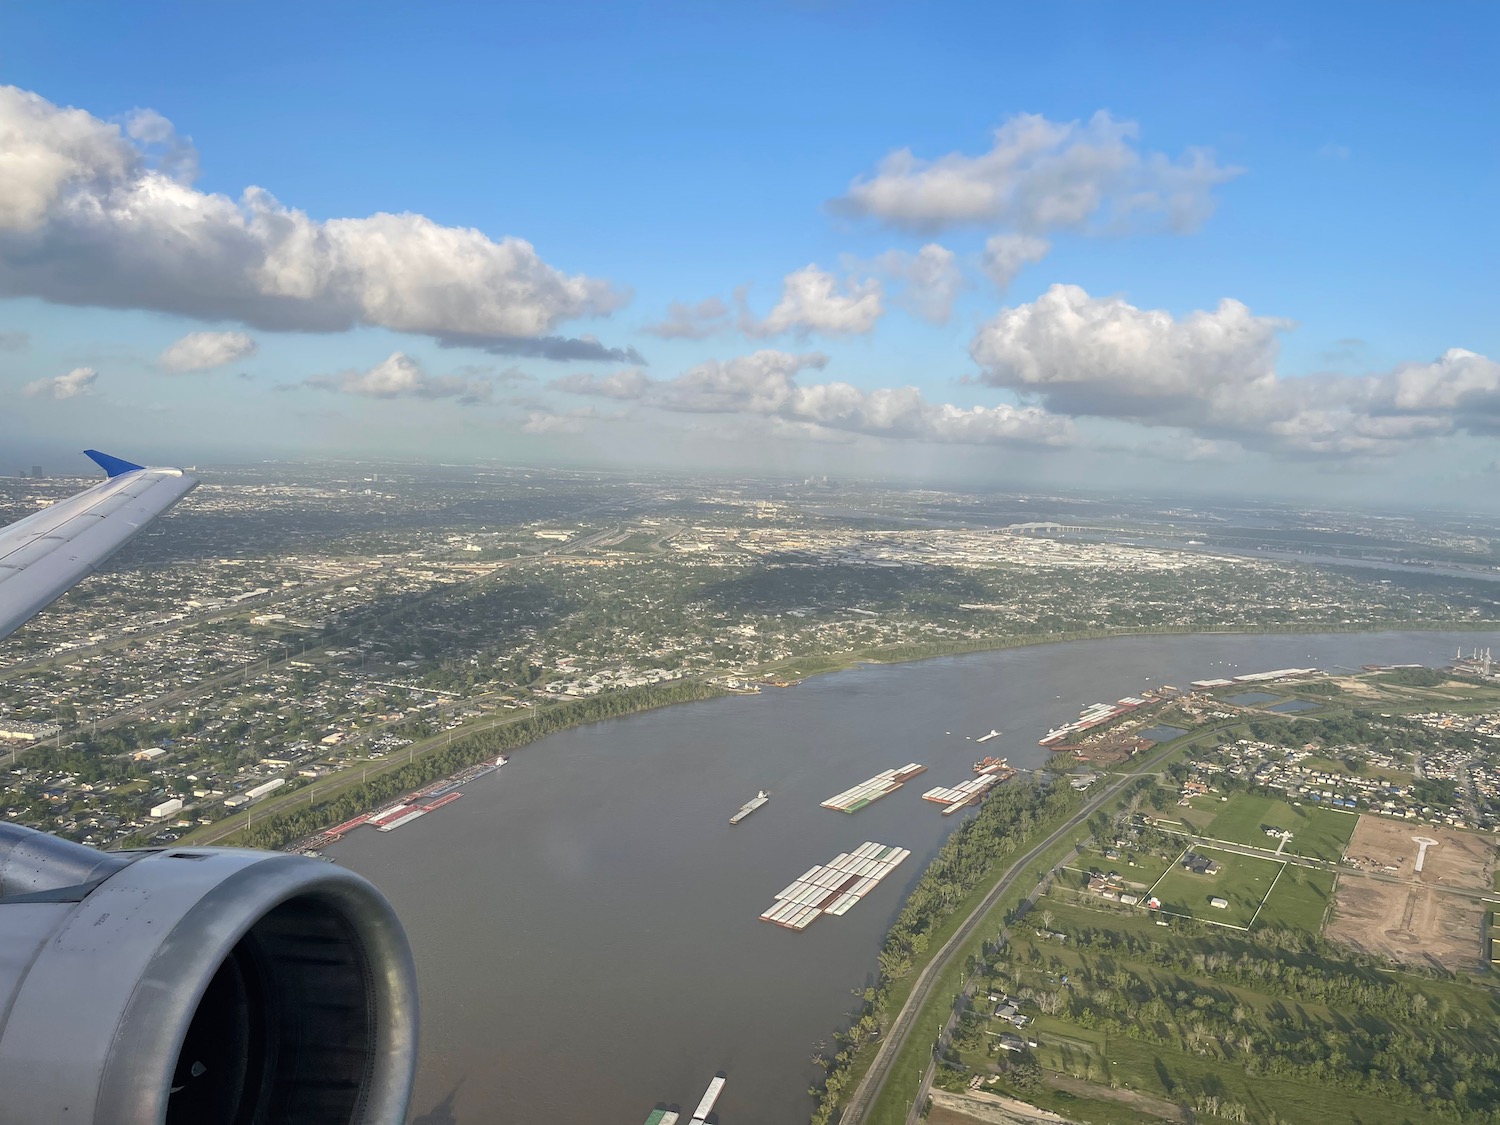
{"x": 198, "y": 986}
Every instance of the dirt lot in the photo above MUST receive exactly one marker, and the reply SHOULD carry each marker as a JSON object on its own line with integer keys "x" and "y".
{"x": 1409, "y": 919}
{"x": 987, "y": 1109}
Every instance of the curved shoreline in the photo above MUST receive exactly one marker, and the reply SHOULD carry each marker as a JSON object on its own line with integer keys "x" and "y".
{"x": 475, "y": 745}
{"x": 906, "y": 654}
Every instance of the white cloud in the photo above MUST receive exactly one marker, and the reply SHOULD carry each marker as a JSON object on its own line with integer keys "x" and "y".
{"x": 546, "y": 422}
{"x": 765, "y": 384}
{"x": 1041, "y": 175}
{"x": 1459, "y": 382}
{"x": 692, "y": 322}
{"x": 75, "y": 384}
{"x": 1005, "y": 255}
{"x": 632, "y": 383}
{"x": 400, "y": 376}
{"x": 203, "y": 351}
{"x": 1214, "y": 374}
{"x": 93, "y": 215}
{"x": 811, "y": 301}
{"x": 932, "y": 280}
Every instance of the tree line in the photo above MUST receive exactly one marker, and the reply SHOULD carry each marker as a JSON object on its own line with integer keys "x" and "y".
{"x": 1005, "y": 819}
{"x": 284, "y": 827}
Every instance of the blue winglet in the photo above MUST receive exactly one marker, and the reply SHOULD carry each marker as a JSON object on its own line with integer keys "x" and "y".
{"x": 114, "y": 466}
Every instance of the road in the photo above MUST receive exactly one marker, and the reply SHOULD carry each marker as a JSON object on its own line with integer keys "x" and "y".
{"x": 868, "y": 1091}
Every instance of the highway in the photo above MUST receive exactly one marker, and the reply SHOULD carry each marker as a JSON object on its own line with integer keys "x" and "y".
{"x": 868, "y": 1091}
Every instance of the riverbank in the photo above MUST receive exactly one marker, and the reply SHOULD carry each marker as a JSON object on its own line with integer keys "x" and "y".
{"x": 443, "y": 756}
{"x": 915, "y": 1009}
{"x": 621, "y": 830}
{"x": 793, "y": 670}
{"x": 323, "y": 804}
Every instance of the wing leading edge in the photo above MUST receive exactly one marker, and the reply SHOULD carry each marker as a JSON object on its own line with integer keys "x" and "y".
{"x": 47, "y": 553}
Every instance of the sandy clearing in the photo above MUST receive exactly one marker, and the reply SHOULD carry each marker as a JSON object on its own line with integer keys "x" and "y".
{"x": 1408, "y": 920}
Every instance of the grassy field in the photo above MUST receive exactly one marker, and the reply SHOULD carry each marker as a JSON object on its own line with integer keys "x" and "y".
{"x": 1197, "y": 814}
{"x": 1241, "y": 879}
{"x": 1299, "y": 901}
{"x": 1134, "y": 867}
{"x": 1316, "y": 833}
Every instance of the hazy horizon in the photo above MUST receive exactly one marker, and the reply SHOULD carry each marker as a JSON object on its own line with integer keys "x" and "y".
{"x": 1225, "y": 252}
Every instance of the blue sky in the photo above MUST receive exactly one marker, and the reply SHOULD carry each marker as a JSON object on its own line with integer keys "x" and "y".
{"x": 659, "y": 153}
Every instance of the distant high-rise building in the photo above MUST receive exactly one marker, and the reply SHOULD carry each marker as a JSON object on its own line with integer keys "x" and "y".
{"x": 36, "y": 472}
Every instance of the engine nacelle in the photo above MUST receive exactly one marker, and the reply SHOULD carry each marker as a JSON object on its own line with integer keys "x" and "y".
{"x": 198, "y": 985}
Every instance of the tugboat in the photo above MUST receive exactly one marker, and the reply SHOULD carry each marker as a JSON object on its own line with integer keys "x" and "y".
{"x": 750, "y": 806}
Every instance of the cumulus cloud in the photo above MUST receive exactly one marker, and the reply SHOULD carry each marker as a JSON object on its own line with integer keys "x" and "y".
{"x": 1214, "y": 374}
{"x": 813, "y": 301}
{"x": 75, "y": 384}
{"x": 544, "y": 420}
{"x": 1459, "y": 383}
{"x": 1005, "y": 255}
{"x": 765, "y": 385}
{"x": 1040, "y": 175}
{"x": 203, "y": 351}
{"x": 692, "y": 322}
{"x": 92, "y": 214}
{"x": 632, "y": 383}
{"x": 401, "y": 376}
{"x": 931, "y": 278}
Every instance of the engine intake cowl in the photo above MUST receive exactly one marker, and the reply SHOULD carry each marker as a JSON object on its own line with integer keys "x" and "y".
{"x": 198, "y": 985}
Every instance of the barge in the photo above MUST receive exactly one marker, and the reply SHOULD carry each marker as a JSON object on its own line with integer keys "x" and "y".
{"x": 868, "y": 792}
{"x": 835, "y": 886}
{"x": 750, "y": 806}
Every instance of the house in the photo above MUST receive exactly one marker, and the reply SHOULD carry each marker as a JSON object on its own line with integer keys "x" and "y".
{"x": 1009, "y": 1042}
{"x": 1218, "y": 903}
{"x": 1008, "y": 1012}
{"x": 1200, "y": 864}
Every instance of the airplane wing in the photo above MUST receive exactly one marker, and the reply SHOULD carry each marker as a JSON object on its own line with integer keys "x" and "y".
{"x": 173, "y": 984}
{"x": 46, "y": 554}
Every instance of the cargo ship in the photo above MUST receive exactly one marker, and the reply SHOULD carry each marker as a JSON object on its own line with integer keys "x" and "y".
{"x": 750, "y": 806}
{"x": 986, "y": 737}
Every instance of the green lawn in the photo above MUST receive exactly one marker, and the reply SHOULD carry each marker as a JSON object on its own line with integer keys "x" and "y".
{"x": 1145, "y": 870}
{"x": 1198, "y": 812}
{"x": 1316, "y": 832}
{"x": 1241, "y": 879}
{"x": 1299, "y": 901}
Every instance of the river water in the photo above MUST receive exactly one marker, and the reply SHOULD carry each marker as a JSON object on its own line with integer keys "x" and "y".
{"x": 585, "y": 921}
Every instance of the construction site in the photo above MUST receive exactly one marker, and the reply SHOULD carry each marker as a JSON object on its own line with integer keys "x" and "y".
{"x": 1392, "y": 909}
